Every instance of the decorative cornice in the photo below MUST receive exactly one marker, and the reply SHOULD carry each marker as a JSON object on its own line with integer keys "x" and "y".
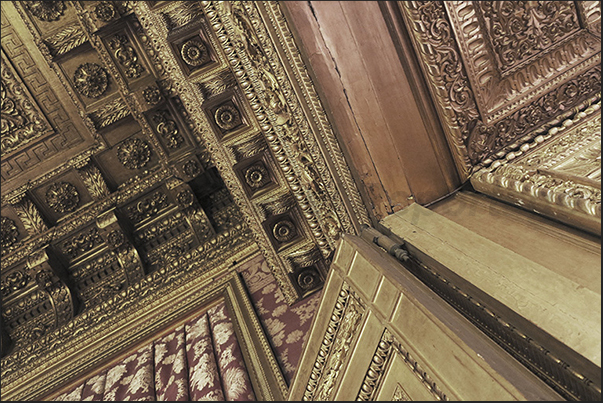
{"x": 529, "y": 173}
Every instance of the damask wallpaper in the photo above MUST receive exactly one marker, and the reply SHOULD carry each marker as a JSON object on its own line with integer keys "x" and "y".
{"x": 200, "y": 360}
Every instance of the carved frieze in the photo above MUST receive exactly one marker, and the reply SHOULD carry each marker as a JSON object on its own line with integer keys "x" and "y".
{"x": 82, "y": 243}
{"x": 149, "y": 206}
{"x": 341, "y": 332}
{"x": 558, "y": 174}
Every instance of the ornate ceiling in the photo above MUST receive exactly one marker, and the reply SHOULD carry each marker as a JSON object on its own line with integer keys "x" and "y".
{"x": 147, "y": 147}
{"x": 500, "y": 72}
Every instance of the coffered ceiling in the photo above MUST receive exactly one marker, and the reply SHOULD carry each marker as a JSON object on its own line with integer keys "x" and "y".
{"x": 150, "y": 144}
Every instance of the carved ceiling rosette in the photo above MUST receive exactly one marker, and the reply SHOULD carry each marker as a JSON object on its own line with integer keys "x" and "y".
{"x": 91, "y": 80}
{"x": 134, "y": 153}
{"x": 62, "y": 197}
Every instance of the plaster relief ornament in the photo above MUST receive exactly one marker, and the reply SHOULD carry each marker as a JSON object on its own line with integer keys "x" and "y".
{"x": 227, "y": 117}
{"x": 62, "y": 197}
{"x": 10, "y": 232}
{"x": 186, "y": 198}
{"x": 152, "y": 95}
{"x": 168, "y": 129}
{"x": 308, "y": 279}
{"x": 134, "y": 153}
{"x": 194, "y": 53}
{"x": 256, "y": 176}
{"x": 46, "y": 10}
{"x": 105, "y": 11}
{"x": 91, "y": 80}
{"x": 191, "y": 168}
{"x": 284, "y": 231}
{"x": 116, "y": 238}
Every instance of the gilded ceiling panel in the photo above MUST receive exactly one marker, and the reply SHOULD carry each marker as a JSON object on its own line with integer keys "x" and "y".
{"x": 37, "y": 123}
{"x": 501, "y": 71}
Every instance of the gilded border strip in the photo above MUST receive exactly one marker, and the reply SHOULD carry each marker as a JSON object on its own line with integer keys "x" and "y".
{"x": 346, "y": 315}
{"x": 386, "y": 349}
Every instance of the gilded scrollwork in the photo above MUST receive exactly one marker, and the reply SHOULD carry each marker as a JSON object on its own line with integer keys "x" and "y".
{"x": 62, "y": 197}
{"x": 518, "y": 31}
{"x": 126, "y": 56}
{"x": 134, "y": 153}
{"x": 91, "y": 80}
{"x": 430, "y": 25}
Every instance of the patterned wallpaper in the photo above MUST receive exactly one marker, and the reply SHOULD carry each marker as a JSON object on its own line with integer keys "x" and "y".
{"x": 286, "y": 326}
{"x": 202, "y": 359}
